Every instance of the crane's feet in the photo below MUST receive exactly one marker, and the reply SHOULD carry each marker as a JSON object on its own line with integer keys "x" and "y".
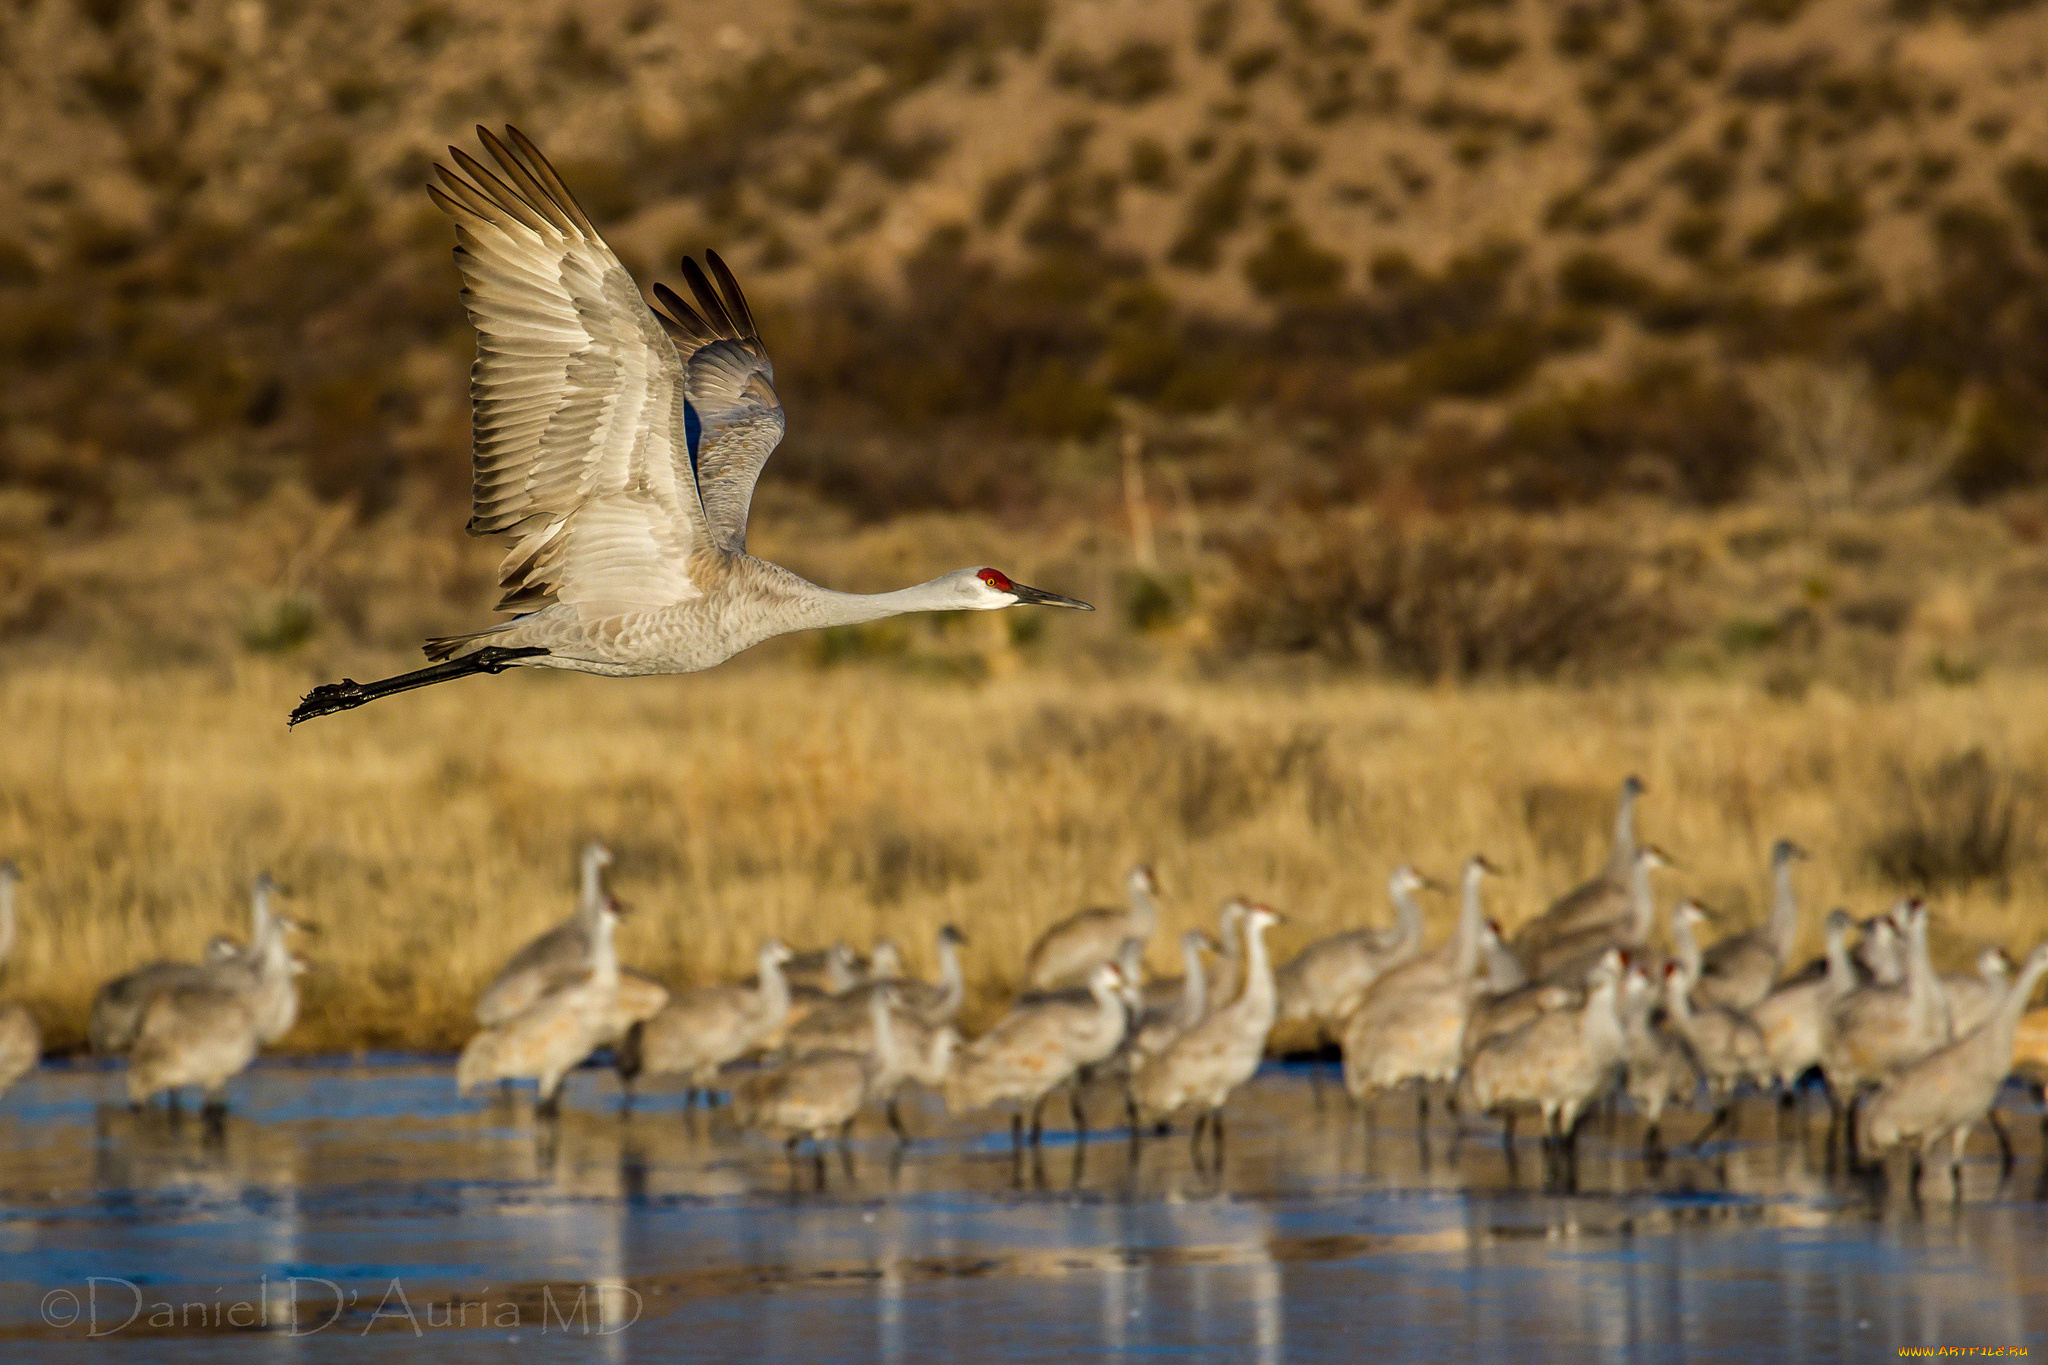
{"x": 348, "y": 694}
{"x": 329, "y": 698}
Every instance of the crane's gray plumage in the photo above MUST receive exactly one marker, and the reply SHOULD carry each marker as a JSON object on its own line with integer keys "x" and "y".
{"x": 617, "y": 448}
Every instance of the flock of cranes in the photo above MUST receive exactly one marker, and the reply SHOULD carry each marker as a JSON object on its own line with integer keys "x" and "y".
{"x": 1578, "y": 1009}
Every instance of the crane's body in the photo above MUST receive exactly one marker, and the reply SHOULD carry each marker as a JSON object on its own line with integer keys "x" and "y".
{"x": 617, "y": 447}
{"x": 552, "y": 959}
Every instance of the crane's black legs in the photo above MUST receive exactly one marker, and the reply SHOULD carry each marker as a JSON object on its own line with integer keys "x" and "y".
{"x": 348, "y": 694}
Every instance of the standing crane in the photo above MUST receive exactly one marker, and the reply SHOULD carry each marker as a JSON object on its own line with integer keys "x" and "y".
{"x": 1038, "y": 1047}
{"x": 207, "y": 1030}
{"x": 1738, "y": 971}
{"x": 1946, "y": 1092}
{"x": 554, "y": 958}
{"x": 1203, "y": 1065}
{"x": 1159, "y": 1023}
{"x": 824, "y": 1092}
{"x": 1793, "y": 1018}
{"x": 1410, "y": 1024}
{"x": 1727, "y": 1043}
{"x": 1071, "y": 948}
{"x": 1323, "y": 981}
{"x": 21, "y": 1041}
{"x": 1598, "y": 901}
{"x": 118, "y": 1004}
{"x": 1559, "y": 1062}
{"x": 617, "y": 446}
{"x": 550, "y": 1037}
{"x": 698, "y": 1031}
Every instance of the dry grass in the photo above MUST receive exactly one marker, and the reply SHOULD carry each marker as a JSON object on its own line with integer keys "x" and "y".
{"x": 432, "y": 833}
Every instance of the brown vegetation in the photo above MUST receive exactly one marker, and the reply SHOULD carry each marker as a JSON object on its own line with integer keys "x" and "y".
{"x": 430, "y": 834}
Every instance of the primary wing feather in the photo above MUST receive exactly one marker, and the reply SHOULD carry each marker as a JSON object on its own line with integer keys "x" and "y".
{"x": 736, "y": 416}
{"x": 578, "y": 398}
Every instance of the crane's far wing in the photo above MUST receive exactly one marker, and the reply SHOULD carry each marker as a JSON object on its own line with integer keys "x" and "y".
{"x": 735, "y": 418}
{"x": 577, "y": 396}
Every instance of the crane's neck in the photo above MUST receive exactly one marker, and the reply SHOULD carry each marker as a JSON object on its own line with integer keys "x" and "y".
{"x": 774, "y": 997}
{"x": 1685, "y": 946}
{"x": 1144, "y": 909}
{"x": 1841, "y": 975}
{"x": 1130, "y": 959}
{"x": 1622, "y": 857}
{"x": 1471, "y": 923}
{"x": 6, "y": 913}
{"x": 1258, "y": 969}
{"x": 1115, "y": 1014}
{"x": 1678, "y": 998}
{"x": 885, "y": 1033}
{"x": 1784, "y": 912}
{"x": 590, "y": 896}
{"x": 810, "y": 607}
{"x": 604, "y": 952}
{"x": 2007, "y": 1020}
{"x": 260, "y": 921}
{"x": 952, "y": 981}
{"x": 1600, "y": 1025}
{"x": 1194, "y": 986}
{"x": 839, "y": 969}
{"x": 1642, "y": 904}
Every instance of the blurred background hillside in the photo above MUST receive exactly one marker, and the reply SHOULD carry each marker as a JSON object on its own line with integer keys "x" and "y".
{"x": 1234, "y": 280}
{"x": 1696, "y": 348}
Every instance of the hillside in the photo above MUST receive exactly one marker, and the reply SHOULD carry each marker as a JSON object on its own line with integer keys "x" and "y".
{"x": 1480, "y": 249}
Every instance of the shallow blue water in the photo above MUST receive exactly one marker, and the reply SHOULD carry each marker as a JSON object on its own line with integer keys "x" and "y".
{"x": 395, "y": 1220}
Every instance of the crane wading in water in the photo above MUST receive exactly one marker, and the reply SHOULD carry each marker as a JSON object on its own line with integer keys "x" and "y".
{"x": 617, "y": 446}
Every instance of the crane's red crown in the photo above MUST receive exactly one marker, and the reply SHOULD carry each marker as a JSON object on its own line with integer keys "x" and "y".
{"x": 996, "y": 579}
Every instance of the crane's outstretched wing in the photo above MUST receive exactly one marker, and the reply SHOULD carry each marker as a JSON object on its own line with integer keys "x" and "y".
{"x": 577, "y": 394}
{"x": 735, "y": 416}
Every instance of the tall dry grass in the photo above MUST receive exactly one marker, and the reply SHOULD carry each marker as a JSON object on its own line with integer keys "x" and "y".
{"x": 432, "y": 833}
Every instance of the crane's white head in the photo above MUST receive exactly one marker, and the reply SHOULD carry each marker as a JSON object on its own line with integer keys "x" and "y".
{"x": 1232, "y": 915}
{"x": 1406, "y": 881}
{"x": 988, "y": 589}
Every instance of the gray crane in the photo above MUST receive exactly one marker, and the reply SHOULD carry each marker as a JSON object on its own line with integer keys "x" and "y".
{"x": 617, "y": 446}
{"x": 1070, "y": 949}
{"x": 554, "y": 958}
{"x": 1946, "y": 1093}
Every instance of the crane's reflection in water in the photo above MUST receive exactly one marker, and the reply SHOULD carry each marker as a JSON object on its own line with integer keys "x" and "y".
{"x": 367, "y": 1205}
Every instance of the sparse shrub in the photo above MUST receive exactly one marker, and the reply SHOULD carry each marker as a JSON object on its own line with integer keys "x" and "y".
{"x": 1149, "y": 601}
{"x": 1444, "y": 601}
{"x": 1000, "y": 195}
{"x": 1665, "y": 429}
{"x": 1291, "y": 267}
{"x": 1957, "y": 823}
{"x": 1136, "y": 73}
{"x": 1207, "y": 784}
{"x": 280, "y": 626}
{"x": 1481, "y": 50}
{"x": 2026, "y": 183}
{"x": 1252, "y": 63}
{"x": 1816, "y": 222}
{"x": 1150, "y": 164}
{"x": 1594, "y": 279}
{"x": 1214, "y": 23}
{"x": 1214, "y": 212}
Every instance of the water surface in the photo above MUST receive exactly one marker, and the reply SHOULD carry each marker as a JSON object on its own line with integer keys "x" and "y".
{"x": 361, "y": 1212}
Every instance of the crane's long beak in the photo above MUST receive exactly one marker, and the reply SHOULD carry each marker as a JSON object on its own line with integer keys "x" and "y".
{"x": 1039, "y": 597}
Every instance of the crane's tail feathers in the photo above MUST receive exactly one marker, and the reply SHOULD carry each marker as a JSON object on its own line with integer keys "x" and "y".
{"x": 442, "y": 647}
{"x": 348, "y": 694}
